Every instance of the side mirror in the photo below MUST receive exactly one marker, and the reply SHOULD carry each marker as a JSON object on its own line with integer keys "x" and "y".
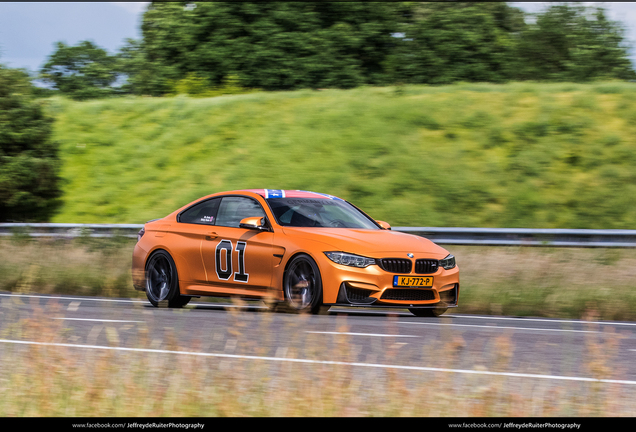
{"x": 384, "y": 225}
{"x": 256, "y": 222}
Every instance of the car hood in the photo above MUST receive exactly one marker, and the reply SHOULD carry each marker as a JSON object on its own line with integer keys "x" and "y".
{"x": 372, "y": 243}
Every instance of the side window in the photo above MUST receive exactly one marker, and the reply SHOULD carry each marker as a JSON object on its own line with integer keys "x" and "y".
{"x": 233, "y": 209}
{"x": 202, "y": 213}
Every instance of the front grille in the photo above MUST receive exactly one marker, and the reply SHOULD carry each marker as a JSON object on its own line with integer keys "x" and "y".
{"x": 426, "y": 266}
{"x": 408, "y": 294}
{"x": 396, "y": 265}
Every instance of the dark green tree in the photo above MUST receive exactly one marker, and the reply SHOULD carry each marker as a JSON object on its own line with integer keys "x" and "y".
{"x": 573, "y": 42}
{"x": 82, "y": 72}
{"x": 445, "y": 42}
{"x": 292, "y": 45}
{"x": 142, "y": 76}
{"x": 271, "y": 45}
{"x": 29, "y": 164}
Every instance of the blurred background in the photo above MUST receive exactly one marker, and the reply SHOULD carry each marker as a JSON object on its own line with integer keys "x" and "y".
{"x": 423, "y": 114}
{"x": 444, "y": 114}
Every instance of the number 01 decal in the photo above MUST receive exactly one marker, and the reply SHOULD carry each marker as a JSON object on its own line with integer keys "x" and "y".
{"x": 224, "y": 273}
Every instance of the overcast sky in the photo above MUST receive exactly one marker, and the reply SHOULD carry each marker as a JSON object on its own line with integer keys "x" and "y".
{"x": 28, "y": 31}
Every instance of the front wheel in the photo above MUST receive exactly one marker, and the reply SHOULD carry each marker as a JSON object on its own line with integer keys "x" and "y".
{"x": 162, "y": 281}
{"x": 303, "y": 285}
{"x": 429, "y": 312}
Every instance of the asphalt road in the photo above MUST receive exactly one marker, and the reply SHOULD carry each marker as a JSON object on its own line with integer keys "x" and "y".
{"x": 527, "y": 348}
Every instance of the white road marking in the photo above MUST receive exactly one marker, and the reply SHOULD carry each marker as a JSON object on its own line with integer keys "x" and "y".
{"x": 146, "y": 302}
{"x": 498, "y": 327}
{"x": 75, "y": 298}
{"x": 327, "y": 362}
{"x": 73, "y": 306}
{"x": 362, "y": 334}
{"x": 614, "y": 323}
{"x": 96, "y": 320}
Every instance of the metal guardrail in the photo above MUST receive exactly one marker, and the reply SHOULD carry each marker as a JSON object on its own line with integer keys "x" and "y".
{"x": 457, "y": 236}
{"x": 526, "y": 236}
{"x": 68, "y": 230}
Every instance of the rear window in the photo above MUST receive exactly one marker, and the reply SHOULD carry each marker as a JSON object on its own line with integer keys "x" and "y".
{"x": 201, "y": 213}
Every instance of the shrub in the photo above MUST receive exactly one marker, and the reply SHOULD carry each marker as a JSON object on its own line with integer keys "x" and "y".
{"x": 29, "y": 163}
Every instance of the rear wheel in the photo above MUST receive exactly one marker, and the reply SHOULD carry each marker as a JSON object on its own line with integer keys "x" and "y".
{"x": 162, "y": 281}
{"x": 303, "y": 285}
{"x": 428, "y": 312}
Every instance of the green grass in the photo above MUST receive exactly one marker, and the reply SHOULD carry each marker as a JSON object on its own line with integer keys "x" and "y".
{"x": 513, "y": 155}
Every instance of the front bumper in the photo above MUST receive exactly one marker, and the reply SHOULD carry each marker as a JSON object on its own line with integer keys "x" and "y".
{"x": 351, "y": 295}
{"x": 373, "y": 286}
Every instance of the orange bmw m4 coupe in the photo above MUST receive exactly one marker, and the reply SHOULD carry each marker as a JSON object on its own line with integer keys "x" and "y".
{"x": 300, "y": 250}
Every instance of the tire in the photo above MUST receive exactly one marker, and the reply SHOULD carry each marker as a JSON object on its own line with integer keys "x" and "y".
{"x": 302, "y": 286}
{"x": 429, "y": 312}
{"x": 162, "y": 281}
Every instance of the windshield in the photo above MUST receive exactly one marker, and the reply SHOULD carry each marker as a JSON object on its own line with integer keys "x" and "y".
{"x": 319, "y": 213}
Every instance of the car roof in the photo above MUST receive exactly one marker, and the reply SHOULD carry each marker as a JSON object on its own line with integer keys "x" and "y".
{"x": 284, "y": 193}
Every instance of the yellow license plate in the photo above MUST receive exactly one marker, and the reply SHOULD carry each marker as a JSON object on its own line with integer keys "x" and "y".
{"x": 412, "y": 281}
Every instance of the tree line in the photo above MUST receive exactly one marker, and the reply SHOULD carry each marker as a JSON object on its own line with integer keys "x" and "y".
{"x": 207, "y": 48}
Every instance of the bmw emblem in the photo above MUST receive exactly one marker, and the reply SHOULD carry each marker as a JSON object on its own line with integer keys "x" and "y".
{"x": 410, "y": 255}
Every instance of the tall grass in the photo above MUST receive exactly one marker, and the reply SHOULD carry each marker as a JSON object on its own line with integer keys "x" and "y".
{"x": 41, "y": 380}
{"x": 526, "y": 281}
{"x": 82, "y": 266}
{"x": 548, "y": 282}
{"x": 512, "y": 155}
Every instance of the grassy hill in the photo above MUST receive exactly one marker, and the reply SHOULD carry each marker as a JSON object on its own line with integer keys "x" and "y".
{"x": 513, "y": 155}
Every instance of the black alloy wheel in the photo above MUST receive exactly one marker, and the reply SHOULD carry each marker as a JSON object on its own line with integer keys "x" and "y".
{"x": 303, "y": 285}
{"x": 162, "y": 281}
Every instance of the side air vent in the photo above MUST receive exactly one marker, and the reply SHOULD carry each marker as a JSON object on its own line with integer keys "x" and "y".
{"x": 449, "y": 296}
{"x": 357, "y": 295}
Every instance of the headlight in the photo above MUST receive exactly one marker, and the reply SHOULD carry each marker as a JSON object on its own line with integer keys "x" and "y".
{"x": 448, "y": 262}
{"x": 350, "y": 259}
{"x": 140, "y": 234}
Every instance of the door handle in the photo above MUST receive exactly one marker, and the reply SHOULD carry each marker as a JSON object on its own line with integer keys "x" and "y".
{"x": 211, "y": 236}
